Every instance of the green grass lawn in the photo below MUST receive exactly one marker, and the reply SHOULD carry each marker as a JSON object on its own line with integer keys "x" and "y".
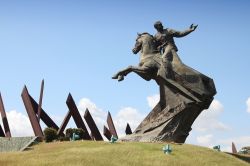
{"x": 89, "y": 153}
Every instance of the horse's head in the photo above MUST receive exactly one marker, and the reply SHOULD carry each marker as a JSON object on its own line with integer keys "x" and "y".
{"x": 138, "y": 44}
{"x": 141, "y": 39}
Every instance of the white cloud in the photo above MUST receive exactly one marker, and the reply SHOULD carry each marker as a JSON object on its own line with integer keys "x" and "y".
{"x": 209, "y": 119}
{"x": 239, "y": 142}
{"x": 225, "y": 144}
{"x": 19, "y": 124}
{"x": 97, "y": 114}
{"x": 227, "y": 149}
{"x": 205, "y": 140}
{"x": 153, "y": 100}
{"x": 248, "y": 105}
{"x": 209, "y": 122}
{"x": 127, "y": 115}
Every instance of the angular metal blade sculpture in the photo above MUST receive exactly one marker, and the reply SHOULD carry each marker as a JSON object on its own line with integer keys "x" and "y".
{"x": 31, "y": 113}
{"x": 92, "y": 137}
{"x": 92, "y": 126}
{"x": 1, "y": 132}
{"x": 234, "y": 150}
{"x": 32, "y": 110}
{"x": 43, "y": 115}
{"x": 111, "y": 125}
{"x": 40, "y": 101}
{"x": 76, "y": 116}
{"x": 128, "y": 130}
{"x": 64, "y": 124}
{"x": 4, "y": 118}
{"x": 106, "y": 133}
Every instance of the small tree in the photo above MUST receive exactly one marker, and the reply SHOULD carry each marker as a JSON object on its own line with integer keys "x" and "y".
{"x": 50, "y": 134}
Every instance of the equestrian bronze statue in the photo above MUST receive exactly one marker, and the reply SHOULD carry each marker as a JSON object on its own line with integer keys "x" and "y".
{"x": 184, "y": 92}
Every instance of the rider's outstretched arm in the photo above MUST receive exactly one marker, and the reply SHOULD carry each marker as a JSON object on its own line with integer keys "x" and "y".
{"x": 182, "y": 33}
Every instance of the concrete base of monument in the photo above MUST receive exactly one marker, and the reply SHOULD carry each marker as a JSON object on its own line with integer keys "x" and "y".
{"x": 171, "y": 123}
{"x": 156, "y": 135}
{"x": 170, "y": 120}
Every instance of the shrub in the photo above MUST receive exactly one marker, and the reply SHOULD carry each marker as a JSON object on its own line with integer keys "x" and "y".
{"x": 69, "y": 132}
{"x": 78, "y": 131}
{"x": 50, "y": 134}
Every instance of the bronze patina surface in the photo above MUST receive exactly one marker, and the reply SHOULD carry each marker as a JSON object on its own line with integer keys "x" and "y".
{"x": 184, "y": 92}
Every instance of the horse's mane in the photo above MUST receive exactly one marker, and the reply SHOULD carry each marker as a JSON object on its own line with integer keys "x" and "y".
{"x": 146, "y": 33}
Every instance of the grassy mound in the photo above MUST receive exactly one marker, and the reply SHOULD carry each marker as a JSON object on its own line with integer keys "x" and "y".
{"x": 90, "y": 153}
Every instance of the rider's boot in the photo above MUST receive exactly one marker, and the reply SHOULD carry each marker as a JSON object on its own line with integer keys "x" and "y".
{"x": 161, "y": 71}
{"x": 166, "y": 71}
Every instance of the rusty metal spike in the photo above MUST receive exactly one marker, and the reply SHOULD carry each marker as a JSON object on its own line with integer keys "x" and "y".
{"x": 4, "y": 118}
{"x": 76, "y": 116}
{"x": 31, "y": 113}
{"x": 106, "y": 133}
{"x": 234, "y": 150}
{"x": 111, "y": 125}
{"x": 92, "y": 126}
{"x": 128, "y": 130}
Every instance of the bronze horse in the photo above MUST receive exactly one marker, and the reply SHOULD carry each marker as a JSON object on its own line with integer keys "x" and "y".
{"x": 185, "y": 79}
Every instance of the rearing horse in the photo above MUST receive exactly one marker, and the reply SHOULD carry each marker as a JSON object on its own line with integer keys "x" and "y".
{"x": 184, "y": 93}
{"x": 150, "y": 59}
{"x": 186, "y": 80}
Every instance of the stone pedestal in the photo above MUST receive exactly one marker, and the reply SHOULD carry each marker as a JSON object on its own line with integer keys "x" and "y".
{"x": 171, "y": 119}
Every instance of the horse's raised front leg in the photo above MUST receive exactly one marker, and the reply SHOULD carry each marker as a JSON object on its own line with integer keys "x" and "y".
{"x": 141, "y": 70}
{"x": 120, "y": 75}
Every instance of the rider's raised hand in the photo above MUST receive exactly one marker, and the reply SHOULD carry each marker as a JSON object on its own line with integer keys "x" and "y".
{"x": 193, "y": 27}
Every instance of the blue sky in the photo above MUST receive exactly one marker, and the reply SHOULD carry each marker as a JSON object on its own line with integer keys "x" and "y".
{"x": 76, "y": 46}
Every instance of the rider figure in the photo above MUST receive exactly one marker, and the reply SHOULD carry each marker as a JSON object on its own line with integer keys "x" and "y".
{"x": 165, "y": 44}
